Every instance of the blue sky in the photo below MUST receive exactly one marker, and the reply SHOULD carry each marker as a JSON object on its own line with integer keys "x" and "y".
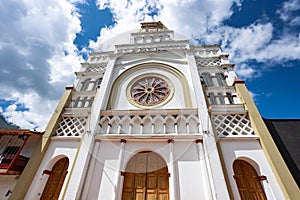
{"x": 42, "y": 43}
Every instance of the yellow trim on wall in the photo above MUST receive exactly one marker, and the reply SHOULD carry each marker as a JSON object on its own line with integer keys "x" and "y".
{"x": 279, "y": 168}
{"x": 33, "y": 164}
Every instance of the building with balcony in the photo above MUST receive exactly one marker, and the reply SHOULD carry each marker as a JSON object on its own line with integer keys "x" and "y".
{"x": 16, "y": 148}
{"x": 157, "y": 118}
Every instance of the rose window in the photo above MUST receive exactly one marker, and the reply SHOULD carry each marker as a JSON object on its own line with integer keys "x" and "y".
{"x": 149, "y": 91}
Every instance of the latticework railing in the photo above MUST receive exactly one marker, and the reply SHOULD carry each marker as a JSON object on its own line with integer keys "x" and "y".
{"x": 71, "y": 126}
{"x": 209, "y": 62}
{"x": 233, "y": 125}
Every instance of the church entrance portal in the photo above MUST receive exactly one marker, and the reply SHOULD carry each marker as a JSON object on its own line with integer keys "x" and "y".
{"x": 146, "y": 178}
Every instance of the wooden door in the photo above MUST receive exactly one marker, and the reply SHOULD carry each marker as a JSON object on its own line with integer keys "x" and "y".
{"x": 146, "y": 178}
{"x": 56, "y": 180}
{"x": 247, "y": 181}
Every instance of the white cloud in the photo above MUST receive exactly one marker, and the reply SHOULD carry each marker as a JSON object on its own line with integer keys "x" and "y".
{"x": 204, "y": 20}
{"x": 245, "y": 71}
{"x": 288, "y": 12}
{"x": 189, "y": 17}
{"x": 37, "y": 113}
{"x": 37, "y": 57}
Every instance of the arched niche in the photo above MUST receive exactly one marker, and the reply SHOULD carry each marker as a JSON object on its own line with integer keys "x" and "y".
{"x": 119, "y": 91}
{"x": 146, "y": 177}
{"x": 248, "y": 181}
{"x": 56, "y": 179}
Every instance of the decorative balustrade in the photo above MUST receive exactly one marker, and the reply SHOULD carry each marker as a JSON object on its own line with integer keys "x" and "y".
{"x": 209, "y": 62}
{"x": 233, "y": 125}
{"x": 150, "y": 122}
{"x": 99, "y": 57}
{"x": 150, "y": 47}
{"x": 148, "y": 37}
{"x": 219, "y": 96}
{"x": 71, "y": 126}
{"x": 206, "y": 51}
{"x": 82, "y": 100}
{"x": 96, "y": 68}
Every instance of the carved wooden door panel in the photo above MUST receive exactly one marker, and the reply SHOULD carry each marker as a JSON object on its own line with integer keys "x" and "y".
{"x": 146, "y": 178}
{"x": 247, "y": 181}
{"x": 56, "y": 180}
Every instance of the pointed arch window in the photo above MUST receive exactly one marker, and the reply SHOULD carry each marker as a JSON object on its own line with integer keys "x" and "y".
{"x": 248, "y": 182}
{"x": 56, "y": 180}
{"x": 146, "y": 177}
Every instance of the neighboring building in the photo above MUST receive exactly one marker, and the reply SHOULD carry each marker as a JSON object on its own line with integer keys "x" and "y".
{"x": 286, "y": 134}
{"x": 16, "y": 147}
{"x": 156, "y": 119}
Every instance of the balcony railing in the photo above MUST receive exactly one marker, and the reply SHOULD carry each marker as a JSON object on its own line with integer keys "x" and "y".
{"x": 153, "y": 122}
{"x": 11, "y": 162}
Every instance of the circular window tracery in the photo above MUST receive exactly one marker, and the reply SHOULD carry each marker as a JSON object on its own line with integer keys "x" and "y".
{"x": 150, "y": 91}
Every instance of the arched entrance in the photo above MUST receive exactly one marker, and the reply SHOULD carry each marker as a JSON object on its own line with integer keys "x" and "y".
{"x": 247, "y": 181}
{"x": 146, "y": 178}
{"x": 56, "y": 180}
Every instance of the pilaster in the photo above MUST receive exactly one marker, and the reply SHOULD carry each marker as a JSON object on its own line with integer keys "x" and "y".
{"x": 32, "y": 166}
{"x": 279, "y": 168}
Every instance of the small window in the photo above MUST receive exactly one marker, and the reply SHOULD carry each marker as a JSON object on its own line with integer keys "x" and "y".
{"x": 85, "y": 85}
{"x": 221, "y": 98}
{"x": 97, "y": 83}
{"x": 221, "y": 79}
{"x": 206, "y": 78}
{"x": 212, "y": 99}
{"x": 230, "y": 98}
{"x": 76, "y": 103}
{"x": 91, "y": 101}
{"x": 84, "y": 101}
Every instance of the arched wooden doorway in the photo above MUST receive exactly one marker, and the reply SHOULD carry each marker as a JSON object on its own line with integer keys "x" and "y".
{"x": 146, "y": 178}
{"x": 56, "y": 180}
{"x": 247, "y": 181}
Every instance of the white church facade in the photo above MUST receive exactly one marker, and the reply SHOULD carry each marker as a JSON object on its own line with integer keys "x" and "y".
{"x": 156, "y": 118}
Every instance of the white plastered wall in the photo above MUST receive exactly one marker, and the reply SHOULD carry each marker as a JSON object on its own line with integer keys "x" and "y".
{"x": 7, "y": 184}
{"x": 107, "y": 182}
{"x": 58, "y": 148}
{"x": 250, "y": 151}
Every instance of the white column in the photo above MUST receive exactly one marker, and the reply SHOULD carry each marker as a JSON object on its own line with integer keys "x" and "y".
{"x": 75, "y": 182}
{"x": 204, "y": 171}
{"x": 141, "y": 128}
{"x": 79, "y": 103}
{"x": 91, "y": 85}
{"x": 120, "y": 178}
{"x": 171, "y": 167}
{"x": 176, "y": 128}
{"x": 91, "y": 168}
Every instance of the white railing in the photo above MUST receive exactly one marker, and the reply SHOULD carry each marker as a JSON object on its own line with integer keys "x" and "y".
{"x": 149, "y": 122}
{"x": 233, "y": 125}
